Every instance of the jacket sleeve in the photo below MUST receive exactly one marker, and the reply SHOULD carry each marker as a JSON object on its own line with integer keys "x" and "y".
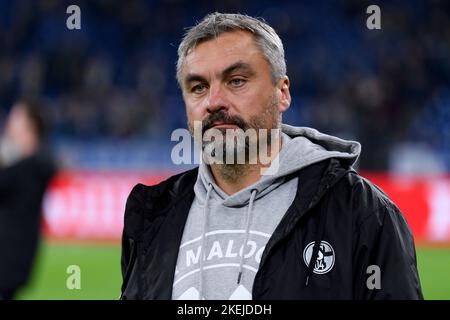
{"x": 384, "y": 258}
{"x": 133, "y": 226}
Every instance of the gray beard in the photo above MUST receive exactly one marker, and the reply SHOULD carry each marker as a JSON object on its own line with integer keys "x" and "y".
{"x": 232, "y": 167}
{"x": 231, "y": 172}
{"x": 234, "y": 171}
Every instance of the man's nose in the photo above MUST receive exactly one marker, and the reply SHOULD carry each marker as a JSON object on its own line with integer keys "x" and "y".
{"x": 216, "y": 100}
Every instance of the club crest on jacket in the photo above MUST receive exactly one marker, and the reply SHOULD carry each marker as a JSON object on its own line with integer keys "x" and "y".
{"x": 325, "y": 257}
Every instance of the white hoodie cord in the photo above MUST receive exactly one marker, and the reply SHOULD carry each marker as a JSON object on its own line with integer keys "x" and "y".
{"x": 247, "y": 233}
{"x": 202, "y": 247}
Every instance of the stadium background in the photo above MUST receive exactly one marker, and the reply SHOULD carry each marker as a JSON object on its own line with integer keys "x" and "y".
{"x": 112, "y": 99}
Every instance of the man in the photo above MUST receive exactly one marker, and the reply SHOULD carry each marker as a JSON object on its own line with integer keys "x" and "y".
{"x": 25, "y": 171}
{"x": 312, "y": 229}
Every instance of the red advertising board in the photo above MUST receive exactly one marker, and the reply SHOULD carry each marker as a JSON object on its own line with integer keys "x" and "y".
{"x": 87, "y": 205}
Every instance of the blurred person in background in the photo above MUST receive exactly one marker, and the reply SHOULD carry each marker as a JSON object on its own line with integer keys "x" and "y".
{"x": 26, "y": 169}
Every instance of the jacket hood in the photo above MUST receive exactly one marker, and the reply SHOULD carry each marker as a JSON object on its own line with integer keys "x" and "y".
{"x": 301, "y": 147}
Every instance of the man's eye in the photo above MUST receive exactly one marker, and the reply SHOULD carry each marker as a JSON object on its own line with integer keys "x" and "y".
{"x": 237, "y": 82}
{"x": 199, "y": 88}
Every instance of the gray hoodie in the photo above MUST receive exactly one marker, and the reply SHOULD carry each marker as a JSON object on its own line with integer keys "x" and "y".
{"x": 222, "y": 224}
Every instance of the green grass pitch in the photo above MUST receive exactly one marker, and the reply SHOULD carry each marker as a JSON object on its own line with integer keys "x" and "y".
{"x": 101, "y": 278}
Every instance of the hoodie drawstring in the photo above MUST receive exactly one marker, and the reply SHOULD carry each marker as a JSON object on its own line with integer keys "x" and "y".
{"x": 315, "y": 253}
{"x": 247, "y": 233}
{"x": 203, "y": 241}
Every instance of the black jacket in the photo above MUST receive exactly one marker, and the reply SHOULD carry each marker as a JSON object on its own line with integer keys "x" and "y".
{"x": 333, "y": 206}
{"x": 22, "y": 187}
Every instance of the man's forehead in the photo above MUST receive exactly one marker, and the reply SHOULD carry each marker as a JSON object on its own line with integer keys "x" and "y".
{"x": 217, "y": 54}
{"x": 230, "y": 40}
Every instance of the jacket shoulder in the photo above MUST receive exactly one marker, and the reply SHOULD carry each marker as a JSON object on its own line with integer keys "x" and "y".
{"x": 144, "y": 201}
{"x": 371, "y": 206}
{"x": 382, "y": 237}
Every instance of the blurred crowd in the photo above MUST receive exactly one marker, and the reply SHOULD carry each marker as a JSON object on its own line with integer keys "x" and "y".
{"x": 115, "y": 78}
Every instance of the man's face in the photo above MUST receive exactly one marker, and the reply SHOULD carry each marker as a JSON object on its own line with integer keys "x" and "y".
{"x": 227, "y": 84}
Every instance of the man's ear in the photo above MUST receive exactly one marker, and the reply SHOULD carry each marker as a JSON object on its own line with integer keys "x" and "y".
{"x": 285, "y": 97}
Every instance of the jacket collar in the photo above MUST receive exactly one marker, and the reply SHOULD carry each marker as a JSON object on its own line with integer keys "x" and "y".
{"x": 313, "y": 182}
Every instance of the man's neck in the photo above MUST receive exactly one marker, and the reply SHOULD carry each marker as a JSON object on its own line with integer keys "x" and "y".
{"x": 232, "y": 178}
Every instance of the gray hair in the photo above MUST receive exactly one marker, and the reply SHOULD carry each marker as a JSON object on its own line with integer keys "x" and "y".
{"x": 215, "y": 24}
